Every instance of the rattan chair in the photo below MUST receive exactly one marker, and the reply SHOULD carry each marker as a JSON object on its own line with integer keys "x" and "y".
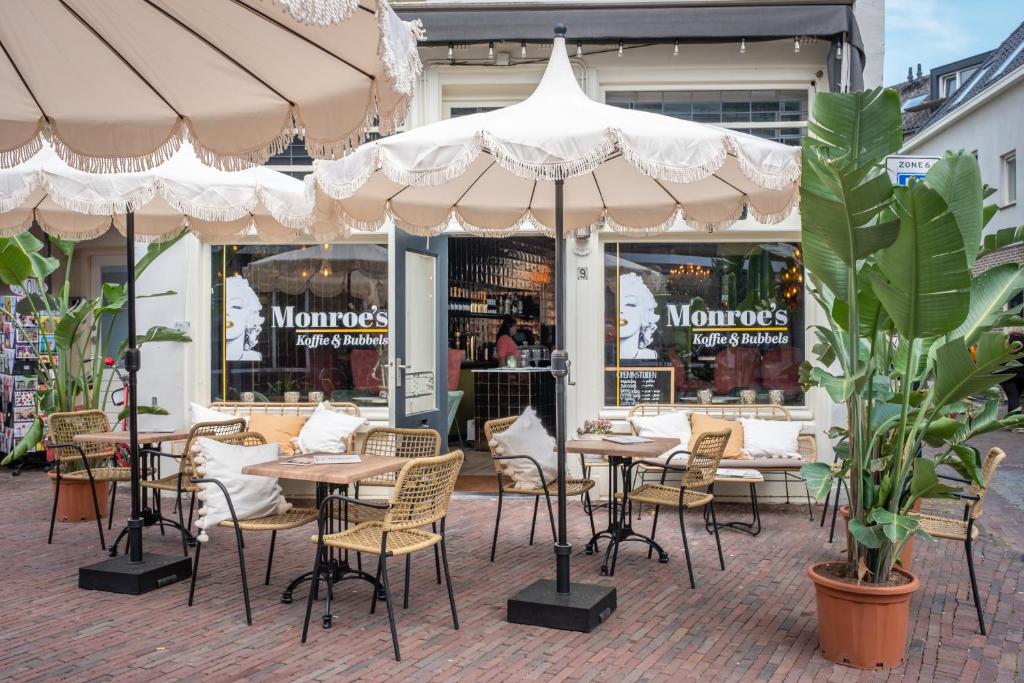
{"x": 420, "y": 497}
{"x": 698, "y": 475}
{"x": 292, "y": 519}
{"x": 96, "y": 460}
{"x": 965, "y": 529}
{"x": 573, "y": 487}
{"x": 182, "y": 481}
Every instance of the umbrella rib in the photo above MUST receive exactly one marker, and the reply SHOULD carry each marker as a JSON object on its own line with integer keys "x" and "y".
{"x": 285, "y": 27}
{"x": 461, "y": 196}
{"x": 117, "y": 54}
{"x": 219, "y": 51}
{"x": 23, "y": 81}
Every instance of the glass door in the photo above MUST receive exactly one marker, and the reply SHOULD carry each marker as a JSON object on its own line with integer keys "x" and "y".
{"x": 419, "y": 331}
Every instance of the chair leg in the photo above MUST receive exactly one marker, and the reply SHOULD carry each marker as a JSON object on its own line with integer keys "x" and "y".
{"x": 494, "y": 541}
{"x": 245, "y": 581}
{"x": 195, "y": 573}
{"x": 270, "y": 557}
{"x": 191, "y": 508}
{"x": 314, "y": 581}
{"x": 686, "y": 547}
{"x": 391, "y": 609}
{"x": 551, "y": 517}
{"x": 448, "y": 580}
{"x": 437, "y": 558}
{"x": 53, "y": 514}
{"x": 376, "y": 588}
{"x": 159, "y": 512}
{"x": 810, "y": 505}
{"x": 408, "y": 570}
{"x": 718, "y": 541}
{"x": 590, "y": 515}
{"x": 974, "y": 581}
{"x": 113, "y": 499}
{"x": 96, "y": 507}
{"x": 533, "y": 524}
{"x": 654, "y": 528}
{"x": 181, "y": 523}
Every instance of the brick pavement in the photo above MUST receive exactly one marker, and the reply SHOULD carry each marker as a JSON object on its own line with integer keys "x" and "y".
{"x": 755, "y": 621}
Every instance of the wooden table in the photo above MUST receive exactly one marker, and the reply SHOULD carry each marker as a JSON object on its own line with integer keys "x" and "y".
{"x": 619, "y": 527}
{"x": 752, "y": 477}
{"x": 148, "y": 515}
{"x": 326, "y": 477}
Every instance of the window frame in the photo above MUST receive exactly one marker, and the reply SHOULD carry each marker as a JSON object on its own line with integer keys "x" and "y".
{"x": 1009, "y": 188}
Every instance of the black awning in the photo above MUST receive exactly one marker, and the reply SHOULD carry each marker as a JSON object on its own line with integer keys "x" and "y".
{"x": 445, "y": 25}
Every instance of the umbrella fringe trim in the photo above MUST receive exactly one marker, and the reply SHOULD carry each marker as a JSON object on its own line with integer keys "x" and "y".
{"x": 134, "y": 202}
{"x": 142, "y": 238}
{"x": 690, "y": 173}
{"x": 402, "y": 70}
{"x": 79, "y": 236}
{"x": 774, "y": 217}
{"x": 344, "y": 190}
{"x": 16, "y": 230}
{"x": 10, "y": 158}
{"x": 280, "y": 212}
{"x": 322, "y": 13}
{"x": 350, "y": 223}
{"x": 120, "y": 164}
{"x": 757, "y": 175}
{"x": 18, "y": 198}
{"x": 433, "y": 176}
{"x": 641, "y": 230}
{"x": 246, "y": 159}
{"x": 712, "y": 226}
{"x": 515, "y": 227}
{"x": 418, "y": 230}
{"x": 555, "y": 170}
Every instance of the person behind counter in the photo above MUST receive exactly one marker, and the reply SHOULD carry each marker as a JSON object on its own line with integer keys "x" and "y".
{"x": 506, "y": 340}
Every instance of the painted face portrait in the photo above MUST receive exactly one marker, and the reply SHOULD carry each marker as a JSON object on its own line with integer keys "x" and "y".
{"x": 242, "y": 320}
{"x": 638, "y": 318}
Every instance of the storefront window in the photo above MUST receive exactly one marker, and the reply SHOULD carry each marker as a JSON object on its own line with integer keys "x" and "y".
{"x": 689, "y": 323}
{"x": 300, "y": 319}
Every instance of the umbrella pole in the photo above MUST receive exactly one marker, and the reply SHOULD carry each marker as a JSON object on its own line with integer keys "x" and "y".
{"x": 134, "y": 573}
{"x": 560, "y": 369}
{"x": 132, "y": 363}
{"x": 560, "y": 604}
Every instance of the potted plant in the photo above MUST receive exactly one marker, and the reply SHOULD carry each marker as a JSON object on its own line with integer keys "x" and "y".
{"x": 69, "y": 357}
{"x": 911, "y": 348}
{"x": 594, "y": 429}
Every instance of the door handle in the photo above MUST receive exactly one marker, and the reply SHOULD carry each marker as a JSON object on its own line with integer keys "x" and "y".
{"x": 397, "y": 365}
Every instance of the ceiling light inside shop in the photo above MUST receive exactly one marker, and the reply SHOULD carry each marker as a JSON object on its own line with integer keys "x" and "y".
{"x": 743, "y": 46}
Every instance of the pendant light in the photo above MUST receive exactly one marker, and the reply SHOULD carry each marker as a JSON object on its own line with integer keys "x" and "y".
{"x": 796, "y": 44}
{"x": 743, "y": 46}
{"x": 620, "y": 48}
{"x": 675, "y": 49}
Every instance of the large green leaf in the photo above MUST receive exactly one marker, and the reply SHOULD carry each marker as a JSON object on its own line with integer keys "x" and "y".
{"x": 870, "y": 311}
{"x": 869, "y": 536}
{"x": 27, "y": 442}
{"x": 142, "y": 410}
{"x": 818, "y": 477}
{"x": 989, "y": 293}
{"x": 925, "y": 484}
{"x": 67, "y": 329}
{"x": 958, "y": 376}
{"x": 114, "y": 298}
{"x": 896, "y": 527}
{"x": 957, "y": 178}
{"x": 858, "y": 127}
{"x": 21, "y": 260}
{"x": 1001, "y": 239}
{"x": 157, "y": 333}
{"x": 924, "y": 283}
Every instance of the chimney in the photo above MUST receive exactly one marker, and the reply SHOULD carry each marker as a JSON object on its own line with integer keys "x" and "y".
{"x": 910, "y": 74}
{"x": 919, "y": 72}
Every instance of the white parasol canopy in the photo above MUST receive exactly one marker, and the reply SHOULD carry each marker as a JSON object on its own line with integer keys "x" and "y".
{"x": 493, "y": 172}
{"x": 218, "y": 206}
{"x": 118, "y": 85}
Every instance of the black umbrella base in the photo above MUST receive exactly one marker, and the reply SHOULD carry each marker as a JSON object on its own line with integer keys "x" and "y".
{"x": 582, "y": 609}
{"x": 118, "y": 575}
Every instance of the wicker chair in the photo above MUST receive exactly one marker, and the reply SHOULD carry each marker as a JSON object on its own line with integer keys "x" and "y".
{"x": 292, "y": 519}
{"x": 96, "y": 459}
{"x": 573, "y": 487}
{"x": 420, "y": 497}
{"x": 698, "y": 475}
{"x": 182, "y": 481}
{"x": 964, "y": 529}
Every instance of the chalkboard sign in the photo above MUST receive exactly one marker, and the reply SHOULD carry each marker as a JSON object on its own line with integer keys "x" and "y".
{"x": 630, "y": 386}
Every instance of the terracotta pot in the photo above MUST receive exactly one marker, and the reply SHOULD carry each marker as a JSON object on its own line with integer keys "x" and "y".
{"x": 906, "y": 555}
{"x": 75, "y": 502}
{"x": 862, "y": 626}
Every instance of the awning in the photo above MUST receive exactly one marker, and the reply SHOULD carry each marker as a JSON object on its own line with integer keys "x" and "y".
{"x": 445, "y": 25}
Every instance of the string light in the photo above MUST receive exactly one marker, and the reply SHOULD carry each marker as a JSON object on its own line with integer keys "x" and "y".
{"x": 490, "y": 50}
{"x": 620, "y": 48}
{"x": 675, "y": 49}
{"x": 579, "y": 49}
{"x": 796, "y": 44}
{"x": 522, "y": 49}
{"x": 839, "y": 49}
{"x": 743, "y": 46}
{"x": 451, "y": 51}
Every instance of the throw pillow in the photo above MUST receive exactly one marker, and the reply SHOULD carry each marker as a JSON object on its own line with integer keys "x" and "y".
{"x": 327, "y": 430}
{"x": 705, "y": 423}
{"x": 771, "y": 438}
{"x": 279, "y": 429}
{"x": 204, "y": 414}
{"x": 674, "y": 424}
{"x": 527, "y": 436}
{"x": 251, "y": 495}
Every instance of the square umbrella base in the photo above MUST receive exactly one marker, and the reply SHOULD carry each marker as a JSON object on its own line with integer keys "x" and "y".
{"x": 118, "y": 575}
{"x": 583, "y": 609}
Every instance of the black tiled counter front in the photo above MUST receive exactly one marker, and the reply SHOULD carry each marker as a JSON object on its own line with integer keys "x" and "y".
{"x": 504, "y": 392}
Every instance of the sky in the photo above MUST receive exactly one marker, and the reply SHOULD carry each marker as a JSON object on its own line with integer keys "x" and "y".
{"x": 937, "y": 32}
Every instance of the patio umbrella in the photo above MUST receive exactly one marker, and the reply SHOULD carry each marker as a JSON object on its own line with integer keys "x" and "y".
{"x": 217, "y": 206}
{"x": 324, "y": 269}
{"x": 566, "y": 164}
{"x": 118, "y": 85}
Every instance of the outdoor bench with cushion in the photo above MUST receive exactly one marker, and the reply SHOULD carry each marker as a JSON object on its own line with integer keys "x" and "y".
{"x": 787, "y": 467}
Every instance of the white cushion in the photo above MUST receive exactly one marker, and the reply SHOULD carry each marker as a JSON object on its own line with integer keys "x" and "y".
{"x": 527, "y": 436}
{"x": 327, "y": 430}
{"x": 771, "y": 438}
{"x": 204, "y": 414}
{"x": 251, "y": 495}
{"x": 674, "y": 424}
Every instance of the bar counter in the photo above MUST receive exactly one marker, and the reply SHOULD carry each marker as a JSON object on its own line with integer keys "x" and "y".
{"x": 505, "y": 392}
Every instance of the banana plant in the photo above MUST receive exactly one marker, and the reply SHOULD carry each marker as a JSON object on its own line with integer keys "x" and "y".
{"x": 912, "y": 346}
{"x": 76, "y": 329}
